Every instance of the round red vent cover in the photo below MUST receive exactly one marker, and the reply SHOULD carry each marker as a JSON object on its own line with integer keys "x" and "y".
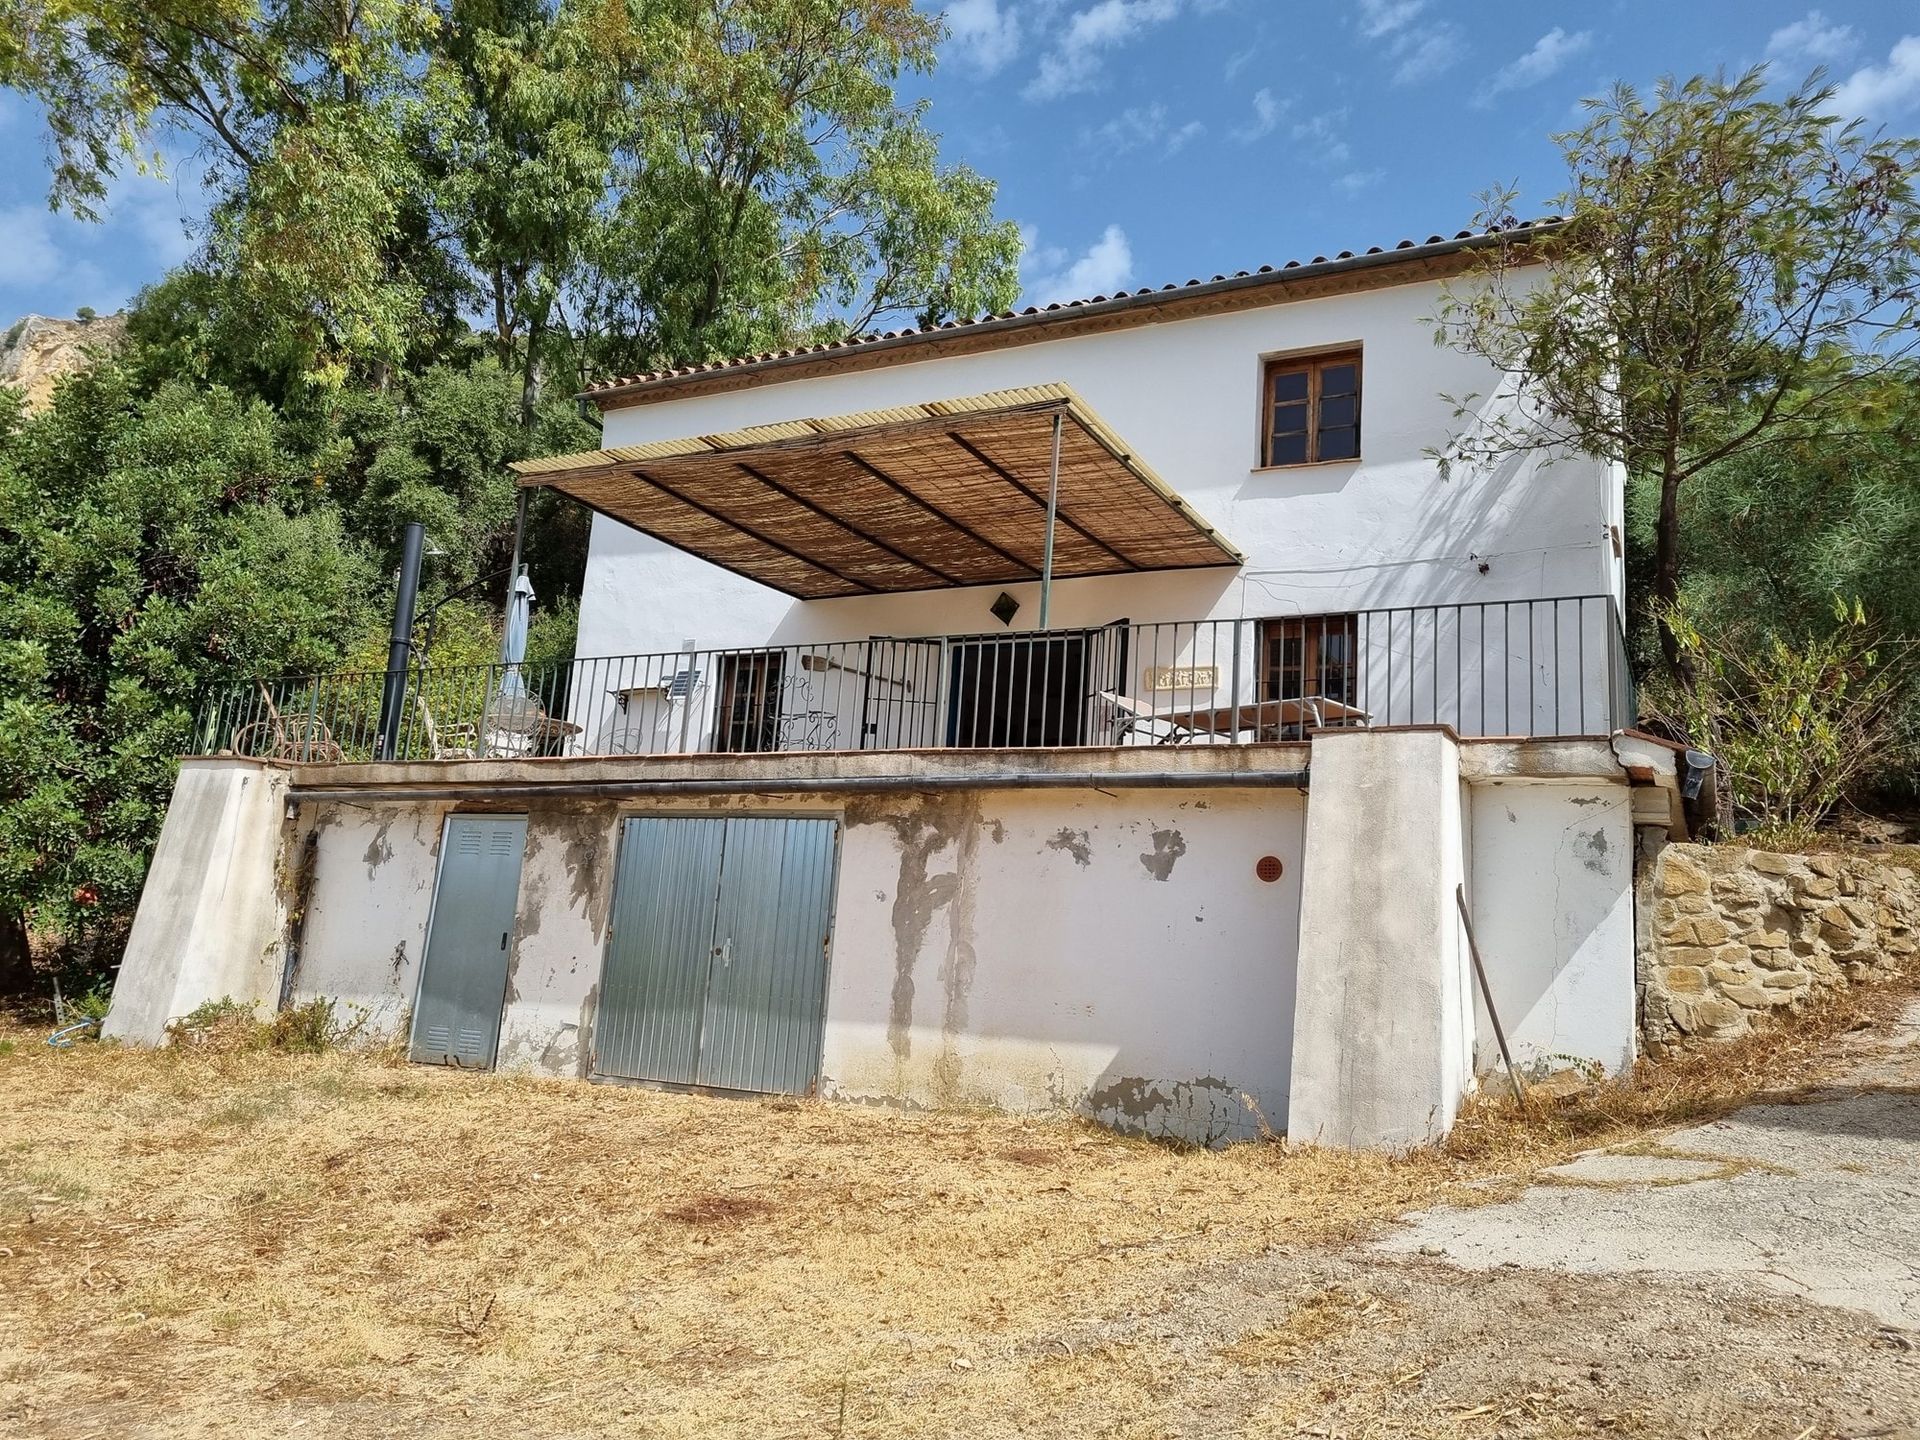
{"x": 1268, "y": 868}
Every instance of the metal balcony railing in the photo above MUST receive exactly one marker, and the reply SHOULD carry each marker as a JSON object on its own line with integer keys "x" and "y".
{"x": 1521, "y": 668}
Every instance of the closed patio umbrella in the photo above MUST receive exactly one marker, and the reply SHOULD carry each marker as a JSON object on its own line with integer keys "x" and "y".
{"x": 513, "y": 708}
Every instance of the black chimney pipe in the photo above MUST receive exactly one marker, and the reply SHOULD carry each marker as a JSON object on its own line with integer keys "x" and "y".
{"x": 393, "y": 697}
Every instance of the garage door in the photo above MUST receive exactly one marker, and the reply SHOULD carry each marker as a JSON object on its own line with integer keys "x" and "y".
{"x": 716, "y": 969}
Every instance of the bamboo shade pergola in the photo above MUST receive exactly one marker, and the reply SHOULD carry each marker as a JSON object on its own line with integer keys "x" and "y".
{"x": 921, "y": 497}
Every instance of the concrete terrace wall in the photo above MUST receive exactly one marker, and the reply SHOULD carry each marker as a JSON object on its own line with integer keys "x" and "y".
{"x": 1733, "y": 934}
{"x": 1550, "y": 886}
{"x": 213, "y": 911}
{"x": 1114, "y": 953}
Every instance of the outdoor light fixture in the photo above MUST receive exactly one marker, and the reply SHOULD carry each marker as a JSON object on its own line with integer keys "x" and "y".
{"x": 1004, "y": 608}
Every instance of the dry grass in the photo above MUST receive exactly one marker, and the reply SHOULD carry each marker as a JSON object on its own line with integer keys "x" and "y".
{"x": 1782, "y": 1061}
{"x": 196, "y": 1242}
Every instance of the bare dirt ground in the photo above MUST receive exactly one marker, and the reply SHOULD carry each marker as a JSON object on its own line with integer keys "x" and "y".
{"x": 247, "y": 1244}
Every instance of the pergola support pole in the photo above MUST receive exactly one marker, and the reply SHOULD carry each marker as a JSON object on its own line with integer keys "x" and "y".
{"x": 1053, "y": 514}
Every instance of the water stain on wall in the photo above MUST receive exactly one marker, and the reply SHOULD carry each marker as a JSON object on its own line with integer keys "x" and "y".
{"x": 957, "y": 969}
{"x": 379, "y": 849}
{"x": 1593, "y": 850}
{"x": 1074, "y": 843}
{"x": 1168, "y": 847}
{"x": 931, "y": 825}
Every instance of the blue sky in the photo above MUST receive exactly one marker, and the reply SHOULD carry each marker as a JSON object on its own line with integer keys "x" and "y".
{"x": 1143, "y": 141}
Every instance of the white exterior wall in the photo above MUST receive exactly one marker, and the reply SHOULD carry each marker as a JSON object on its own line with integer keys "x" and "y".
{"x": 1112, "y": 953}
{"x": 1551, "y": 890}
{"x": 368, "y": 896}
{"x": 1029, "y": 949}
{"x": 1384, "y": 530}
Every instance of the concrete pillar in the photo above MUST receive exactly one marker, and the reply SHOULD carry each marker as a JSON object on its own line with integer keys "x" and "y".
{"x": 211, "y": 919}
{"x": 1383, "y": 1017}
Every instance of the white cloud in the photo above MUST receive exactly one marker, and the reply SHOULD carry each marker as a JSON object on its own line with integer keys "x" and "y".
{"x": 31, "y": 255}
{"x": 984, "y": 36}
{"x": 1320, "y": 138}
{"x": 1426, "y": 53}
{"x": 1238, "y": 62}
{"x": 1266, "y": 115}
{"x": 1812, "y": 41}
{"x": 1179, "y": 139}
{"x": 1880, "y": 91}
{"x": 1545, "y": 60}
{"x": 1074, "y": 62}
{"x": 1383, "y": 17}
{"x": 1143, "y": 128}
{"x": 1419, "y": 49}
{"x": 1354, "y": 181}
{"x": 1104, "y": 267}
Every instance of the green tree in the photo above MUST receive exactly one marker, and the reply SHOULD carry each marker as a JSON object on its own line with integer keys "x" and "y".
{"x": 1736, "y": 273}
{"x": 777, "y": 192}
{"x": 307, "y": 110}
{"x": 609, "y": 182}
{"x": 145, "y": 552}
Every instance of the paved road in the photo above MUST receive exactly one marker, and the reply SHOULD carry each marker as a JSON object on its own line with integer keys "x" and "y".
{"x": 1818, "y": 1199}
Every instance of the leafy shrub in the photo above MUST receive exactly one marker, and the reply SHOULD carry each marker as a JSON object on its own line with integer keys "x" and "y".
{"x": 305, "y": 1029}
{"x": 229, "y": 1027}
{"x": 90, "y": 1004}
{"x": 1795, "y": 723}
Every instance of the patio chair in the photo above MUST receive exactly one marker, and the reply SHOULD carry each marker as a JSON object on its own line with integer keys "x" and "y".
{"x": 1131, "y": 716}
{"x": 303, "y": 739}
{"x": 456, "y": 742}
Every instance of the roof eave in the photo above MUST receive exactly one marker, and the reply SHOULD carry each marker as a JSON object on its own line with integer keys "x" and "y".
{"x": 735, "y": 374}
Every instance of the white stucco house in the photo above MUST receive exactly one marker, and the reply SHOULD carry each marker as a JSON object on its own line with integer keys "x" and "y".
{"x": 1106, "y": 707}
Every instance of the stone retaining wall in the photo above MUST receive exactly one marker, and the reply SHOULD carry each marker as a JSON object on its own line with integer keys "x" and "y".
{"x": 1732, "y": 933}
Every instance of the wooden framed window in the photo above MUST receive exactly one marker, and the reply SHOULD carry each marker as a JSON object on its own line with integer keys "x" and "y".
{"x": 1311, "y": 410}
{"x": 1309, "y": 658}
{"x": 751, "y": 691}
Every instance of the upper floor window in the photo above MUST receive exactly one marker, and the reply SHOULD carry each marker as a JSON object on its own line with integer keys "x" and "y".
{"x": 1312, "y": 410}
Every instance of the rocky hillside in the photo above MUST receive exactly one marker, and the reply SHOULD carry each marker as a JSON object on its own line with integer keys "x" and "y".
{"x": 37, "y": 350}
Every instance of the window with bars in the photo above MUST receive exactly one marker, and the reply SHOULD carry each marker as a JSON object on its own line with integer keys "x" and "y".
{"x": 1312, "y": 410}
{"x": 1310, "y": 658}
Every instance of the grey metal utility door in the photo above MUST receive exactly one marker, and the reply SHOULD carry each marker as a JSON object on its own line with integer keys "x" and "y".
{"x": 463, "y": 976}
{"x": 716, "y": 970}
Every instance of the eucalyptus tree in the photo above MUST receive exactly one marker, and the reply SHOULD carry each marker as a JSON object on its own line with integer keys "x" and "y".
{"x": 596, "y": 183}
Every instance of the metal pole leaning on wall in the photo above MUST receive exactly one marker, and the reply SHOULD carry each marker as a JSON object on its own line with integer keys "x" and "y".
{"x": 1486, "y": 993}
{"x": 1053, "y": 514}
{"x": 393, "y": 695}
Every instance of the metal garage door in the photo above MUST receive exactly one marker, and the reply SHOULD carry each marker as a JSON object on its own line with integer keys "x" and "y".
{"x": 463, "y": 976}
{"x": 716, "y": 970}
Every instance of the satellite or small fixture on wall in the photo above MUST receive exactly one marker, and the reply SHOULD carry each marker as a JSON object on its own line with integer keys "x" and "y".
{"x": 1269, "y": 868}
{"x": 1004, "y": 608}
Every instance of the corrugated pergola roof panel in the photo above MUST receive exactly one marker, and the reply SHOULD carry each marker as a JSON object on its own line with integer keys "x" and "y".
{"x": 914, "y": 497}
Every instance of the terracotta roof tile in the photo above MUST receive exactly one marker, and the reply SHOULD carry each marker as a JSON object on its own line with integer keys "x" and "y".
{"x": 1345, "y": 257}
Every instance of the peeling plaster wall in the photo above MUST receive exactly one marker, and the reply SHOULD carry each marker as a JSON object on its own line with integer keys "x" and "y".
{"x": 1111, "y": 953}
{"x": 1551, "y": 891}
{"x": 553, "y": 976}
{"x": 366, "y": 914}
{"x": 1026, "y": 949}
